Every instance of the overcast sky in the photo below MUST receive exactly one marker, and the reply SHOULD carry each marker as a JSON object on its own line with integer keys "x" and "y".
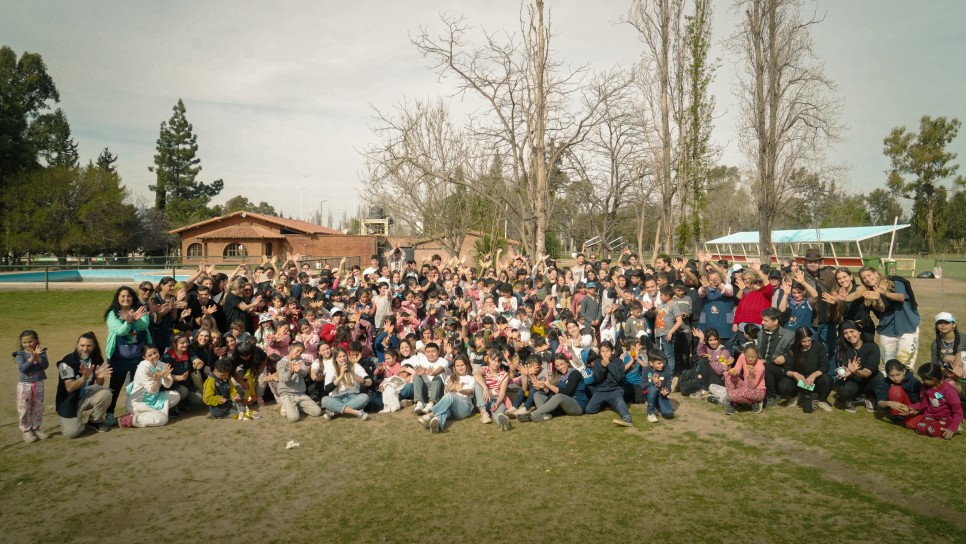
{"x": 279, "y": 92}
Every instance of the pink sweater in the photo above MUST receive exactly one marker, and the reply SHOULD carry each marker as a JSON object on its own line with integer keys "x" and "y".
{"x": 941, "y": 403}
{"x": 758, "y": 380}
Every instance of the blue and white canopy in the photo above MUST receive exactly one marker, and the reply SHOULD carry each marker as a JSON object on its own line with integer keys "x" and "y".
{"x": 809, "y": 236}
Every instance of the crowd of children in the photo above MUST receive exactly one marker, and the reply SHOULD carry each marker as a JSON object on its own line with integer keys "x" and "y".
{"x": 516, "y": 338}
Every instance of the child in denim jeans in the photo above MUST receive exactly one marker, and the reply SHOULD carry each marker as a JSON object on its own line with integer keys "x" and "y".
{"x": 656, "y": 386}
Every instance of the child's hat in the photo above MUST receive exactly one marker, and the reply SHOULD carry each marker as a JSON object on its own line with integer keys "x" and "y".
{"x": 945, "y": 316}
{"x": 264, "y": 318}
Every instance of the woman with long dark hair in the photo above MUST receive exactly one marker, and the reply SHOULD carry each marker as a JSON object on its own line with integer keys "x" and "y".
{"x": 127, "y": 333}
{"x": 806, "y": 375}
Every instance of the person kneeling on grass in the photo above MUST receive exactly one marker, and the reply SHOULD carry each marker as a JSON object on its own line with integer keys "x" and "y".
{"x": 608, "y": 377}
{"x": 147, "y": 404}
{"x": 805, "y": 373}
{"x": 344, "y": 383}
{"x": 939, "y": 413}
{"x": 857, "y": 375}
{"x": 898, "y": 391}
{"x": 746, "y": 381}
{"x": 220, "y": 394}
{"x": 80, "y": 388}
{"x": 565, "y": 392}
{"x": 291, "y": 385}
{"x": 457, "y": 403}
{"x": 656, "y": 386}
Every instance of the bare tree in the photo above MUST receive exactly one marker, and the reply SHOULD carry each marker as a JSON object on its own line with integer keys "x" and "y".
{"x": 608, "y": 166}
{"x": 788, "y": 112}
{"x": 658, "y": 24}
{"x": 413, "y": 173}
{"x": 528, "y": 115}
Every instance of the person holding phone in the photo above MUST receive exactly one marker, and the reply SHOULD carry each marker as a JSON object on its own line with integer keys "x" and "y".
{"x": 806, "y": 376}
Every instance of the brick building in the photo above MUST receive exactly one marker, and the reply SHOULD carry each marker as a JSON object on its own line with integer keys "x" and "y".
{"x": 251, "y": 236}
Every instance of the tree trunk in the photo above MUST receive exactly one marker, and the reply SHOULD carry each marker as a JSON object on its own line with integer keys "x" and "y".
{"x": 538, "y": 147}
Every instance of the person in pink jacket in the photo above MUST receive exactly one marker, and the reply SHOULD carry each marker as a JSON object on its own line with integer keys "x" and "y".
{"x": 939, "y": 412}
{"x": 746, "y": 381}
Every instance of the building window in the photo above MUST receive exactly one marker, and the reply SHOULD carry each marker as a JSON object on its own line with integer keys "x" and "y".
{"x": 194, "y": 250}
{"x": 235, "y": 249}
{"x": 268, "y": 249}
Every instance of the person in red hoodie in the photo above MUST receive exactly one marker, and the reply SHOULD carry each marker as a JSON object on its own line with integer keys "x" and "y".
{"x": 754, "y": 292}
{"x": 327, "y": 334}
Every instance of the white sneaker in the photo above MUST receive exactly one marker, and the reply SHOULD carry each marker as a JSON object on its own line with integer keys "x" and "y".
{"x": 40, "y": 434}
{"x": 823, "y": 405}
{"x": 419, "y": 409}
{"x": 652, "y": 418}
{"x": 485, "y": 416}
{"x": 425, "y": 419}
{"x": 29, "y": 437}
{"x": 434, "y": 425}
{"x": 385, "y": 410}
{"x": 362, "y": 416}
{"x": 429, "y": 407}
{"x": 503, "y": 421}
{"x": 870, "y": 406}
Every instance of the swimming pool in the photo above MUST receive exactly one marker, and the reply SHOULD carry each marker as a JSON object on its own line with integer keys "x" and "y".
{"x": 120, "y": 275}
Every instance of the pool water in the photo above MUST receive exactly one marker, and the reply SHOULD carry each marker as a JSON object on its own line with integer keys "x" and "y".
{"x": 96, "y": 275}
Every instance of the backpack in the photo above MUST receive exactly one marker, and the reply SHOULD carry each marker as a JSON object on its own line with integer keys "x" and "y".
{"x": 690, "y": 380}
{"x": 905, "y": 283}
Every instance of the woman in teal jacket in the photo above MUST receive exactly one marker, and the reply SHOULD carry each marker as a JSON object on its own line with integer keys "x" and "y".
{"x": 127, "y": 334}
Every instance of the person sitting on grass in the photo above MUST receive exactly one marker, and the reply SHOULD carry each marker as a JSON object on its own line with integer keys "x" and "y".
{"x": 457, "y": 403}
{"x": 564, "y": 393}
{"x": 220, "y": 394}
{"x": 147, "y": 400}
{"x": 346, "y": 384}
{"x": 656, "y": 386}
{"x": 949, "y": 351}
{"x": 291, "y": 385}
{"x": 608, "y": 389}
{"x": 898, "y": 392}
{"x": 490, "y": 390}
{"x": 715, "y": 358}
{"x": 746, "y": 381}
{"x": 183, "y": 362}
{"x": 857, "y": 374}
{"x": 939, "y": 412}
{"x": 806, "y": 379}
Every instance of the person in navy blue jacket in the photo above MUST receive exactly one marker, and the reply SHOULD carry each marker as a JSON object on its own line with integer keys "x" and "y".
{"x": 608, "y": 379}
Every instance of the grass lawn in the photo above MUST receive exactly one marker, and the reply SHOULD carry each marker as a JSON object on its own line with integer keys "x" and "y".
{"x": 703, "y": 477}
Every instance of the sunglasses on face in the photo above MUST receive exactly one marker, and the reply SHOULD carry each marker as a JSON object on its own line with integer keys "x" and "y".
{"x": 146, "y": 289}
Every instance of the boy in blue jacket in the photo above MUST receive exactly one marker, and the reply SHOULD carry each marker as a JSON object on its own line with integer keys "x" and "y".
{"x": 656, "y": 386}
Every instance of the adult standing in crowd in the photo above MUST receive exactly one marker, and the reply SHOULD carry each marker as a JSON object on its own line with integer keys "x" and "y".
{"x": 822, "y": 279}
{"x": 127, "y": 334}
{"x": 898, "y": 315}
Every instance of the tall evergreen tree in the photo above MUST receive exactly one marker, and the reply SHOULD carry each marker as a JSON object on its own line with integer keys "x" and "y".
{"x": 177, "y": 165}
{"x": 51, "y": 135}
{"x": 106, "y": 160}
{"x": 25, "y": 90}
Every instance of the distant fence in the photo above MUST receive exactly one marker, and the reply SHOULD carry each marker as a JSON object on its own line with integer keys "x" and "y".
{"x": 133, "y": 270}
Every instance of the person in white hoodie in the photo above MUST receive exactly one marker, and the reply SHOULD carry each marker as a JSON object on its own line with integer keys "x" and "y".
{"x": 147, "y": 404}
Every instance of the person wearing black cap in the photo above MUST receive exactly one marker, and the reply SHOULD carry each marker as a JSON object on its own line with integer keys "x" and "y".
{"x": 857, "y": 374}
{"x": 822, "y": 279}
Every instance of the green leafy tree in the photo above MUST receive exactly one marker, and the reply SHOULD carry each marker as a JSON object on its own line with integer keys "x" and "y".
{"x": 52, "y": 138}
{"x": 883, "y": 207}
{"x": 25, "y": 93}
{"x": 920, "y": 163}
{"x": 241, "y": 203}
{"x": 957, "y": 221}
{"x": 176, "y": 166}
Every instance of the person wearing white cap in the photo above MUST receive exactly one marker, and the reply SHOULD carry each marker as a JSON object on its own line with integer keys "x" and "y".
{"x": 949, "y": 350}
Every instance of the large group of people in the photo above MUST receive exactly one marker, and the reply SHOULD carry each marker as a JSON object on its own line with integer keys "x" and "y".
{"x": 513, "y": 338}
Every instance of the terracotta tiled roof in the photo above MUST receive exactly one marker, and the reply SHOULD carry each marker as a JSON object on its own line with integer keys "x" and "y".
{"x": 241, "y": 232}
{"x": 291, "y": 224}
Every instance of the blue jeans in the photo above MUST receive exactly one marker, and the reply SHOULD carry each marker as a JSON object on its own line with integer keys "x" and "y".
{"x": 656, "y": 401}
{"x": 420, "y": 393}
{"x": 827, "y": 334}
{"x": 667, "y": 348}
{"x": 356, "y": 401}
{"x": 406, "y": 392}
{"x": 485, "y": 406}
{"x": 614, "y": 399}
{"x": 452, "y": 406}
